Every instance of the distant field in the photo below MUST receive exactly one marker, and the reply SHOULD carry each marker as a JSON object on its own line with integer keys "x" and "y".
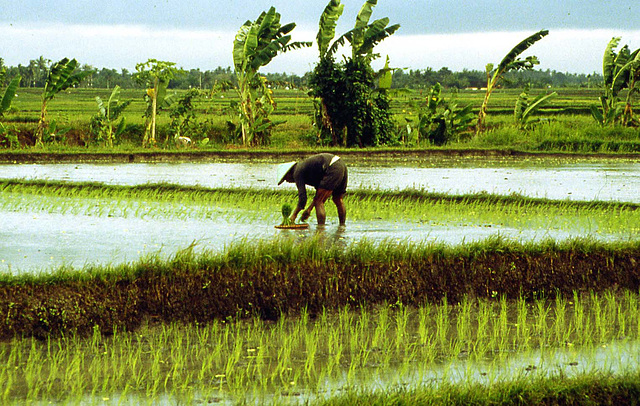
{"x": 571, "y": 127}
{"x": 80, "y": 103}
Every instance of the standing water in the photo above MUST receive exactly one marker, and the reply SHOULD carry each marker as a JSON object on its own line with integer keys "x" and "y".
{"x": 607, "y": 181}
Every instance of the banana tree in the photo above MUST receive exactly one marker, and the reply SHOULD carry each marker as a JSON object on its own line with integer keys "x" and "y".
{"x": 525, "y": 109}
{"x": 440, "y": 120}
{"x": 509, "y": 63}
{"x": 620, "y": 71}
{"x": 333, "y": 84}
{"x": 255, "y": 45}
{"x": 60, "y": 77}
{"x": 103, "y": 123}
{"x": 155, "y": 75}
{"x": 633, "y": 89}
{"x": 363, "y": 37}
{"x": 9, "y": 94}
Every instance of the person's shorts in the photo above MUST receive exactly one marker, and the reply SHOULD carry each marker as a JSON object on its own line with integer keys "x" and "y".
{"x": 335, "y": 179}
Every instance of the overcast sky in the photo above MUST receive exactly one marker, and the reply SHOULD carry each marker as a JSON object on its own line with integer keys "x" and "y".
{"x": 199, "y": 33}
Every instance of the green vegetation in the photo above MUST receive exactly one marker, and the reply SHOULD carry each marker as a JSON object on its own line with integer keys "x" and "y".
{"x": 509, "y": 63}
{"x": 286, "y": 212}
{"x": 61, "y": 76}
{"x": 620, "y": 71}
{"x": 525, "y": 109}
{"x": 588, "y": 389}
{"x": 339, "y": 103}
{"x": 439, "y": 121}
{"x": 102, "y": 124}
{"x": 271, "y": 278}
{"x": 568, "y": 125}
{"x": 9, "y": 93}
{"x": 255, "y": 45}
{"x": 312, "y": 318}
{"x": 155, "y": 76}
{"x": 312, "y": 355}
{"x": 410, "y": 207}
{"x": 350, "y": 110}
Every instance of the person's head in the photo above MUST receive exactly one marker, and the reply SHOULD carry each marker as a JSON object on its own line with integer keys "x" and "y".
{"x": 285, "y": 172}
{"x": 289, "y": 176}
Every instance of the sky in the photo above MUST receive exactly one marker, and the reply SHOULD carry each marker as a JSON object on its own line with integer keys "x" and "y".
{"x": 199, "y": 33}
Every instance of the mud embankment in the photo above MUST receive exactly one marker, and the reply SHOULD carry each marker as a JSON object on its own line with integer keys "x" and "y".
{"x": 272, "y": 155}
{"x": 201, "y": 290}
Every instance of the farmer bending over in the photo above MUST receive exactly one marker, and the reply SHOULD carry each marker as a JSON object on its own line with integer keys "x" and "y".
{"x": 327, "y": 173}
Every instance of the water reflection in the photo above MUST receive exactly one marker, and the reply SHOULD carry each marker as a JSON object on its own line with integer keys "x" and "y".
{"x": 40, "y": 240}
{"x": 575, "y": 181}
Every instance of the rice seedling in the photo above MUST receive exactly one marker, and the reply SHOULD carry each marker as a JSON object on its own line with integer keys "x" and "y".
{"x": 244, "y": 360}
{"x": 271, "y": 278}
{"x": 415, "y": 208}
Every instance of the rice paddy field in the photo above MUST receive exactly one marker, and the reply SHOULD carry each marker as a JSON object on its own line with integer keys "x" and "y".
{"x": 474, "y": 344}
{"x": 569, "y": 126}
{"x": 76, "y": 214}
{"x": 499, "y": 270}
{"x": 474, "y": 279}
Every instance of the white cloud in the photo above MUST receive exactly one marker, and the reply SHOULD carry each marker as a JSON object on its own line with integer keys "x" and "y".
{"x": 576, "y": 51}
{"x": 117, "y": 46}
{"x": 122, "y": 46}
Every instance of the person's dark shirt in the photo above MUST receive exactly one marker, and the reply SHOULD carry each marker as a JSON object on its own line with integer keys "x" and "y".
{"x": 310, "y": 172}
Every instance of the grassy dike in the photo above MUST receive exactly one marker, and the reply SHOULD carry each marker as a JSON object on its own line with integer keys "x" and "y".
{"x": 591, "y": 389}
{"x": 268, "y": 279}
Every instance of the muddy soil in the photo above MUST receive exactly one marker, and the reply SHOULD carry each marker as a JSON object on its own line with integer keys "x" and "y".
{"x": 270, "y": 156}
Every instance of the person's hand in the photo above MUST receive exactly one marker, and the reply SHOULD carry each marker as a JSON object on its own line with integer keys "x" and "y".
{"x": 292, "y": 218}
{"x": 305, "y": 216}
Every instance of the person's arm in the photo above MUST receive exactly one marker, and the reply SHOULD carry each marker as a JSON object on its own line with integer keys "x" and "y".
{"x": 307, "y": 212}
{"x": 318, "y": 203}
{"x": 302, "y": 200}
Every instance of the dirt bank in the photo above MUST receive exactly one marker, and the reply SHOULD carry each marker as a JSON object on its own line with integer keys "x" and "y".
{"x": 196, "y": 290}
{"x": 271, "y": 155}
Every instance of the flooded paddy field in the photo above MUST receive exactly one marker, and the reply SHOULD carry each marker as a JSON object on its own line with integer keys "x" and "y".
{"x": 316, "y": 357}
{"x": 40, "y": 232}
{"x": 607, "y": 180}
{"x": 311, "y": 357}
{"x": 47, "y": 225}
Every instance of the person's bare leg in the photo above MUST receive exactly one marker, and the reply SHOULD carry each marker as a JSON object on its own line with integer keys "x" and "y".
{"x": 321, "y": 196}
{"x": 342, "y": 210}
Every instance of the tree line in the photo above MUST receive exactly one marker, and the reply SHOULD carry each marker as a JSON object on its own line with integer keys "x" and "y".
{"x": 35, "y": 74}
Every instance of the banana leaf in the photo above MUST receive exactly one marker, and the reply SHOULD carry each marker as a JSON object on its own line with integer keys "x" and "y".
{"x": 61, "y": 77}
{"x": 510, "y": 58}
{"x": 268, "y": 23}
{"x": 376, "y": 33}
{"x": 386, "y": 76}
{"x": 327, "y": 25}
{"x": 9, "y": 94}
{"x": 608, "y": 60}
{"x": 238, "y": 45}
{"x": 362, "y": 19}
{"x": 538, "y": 102}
